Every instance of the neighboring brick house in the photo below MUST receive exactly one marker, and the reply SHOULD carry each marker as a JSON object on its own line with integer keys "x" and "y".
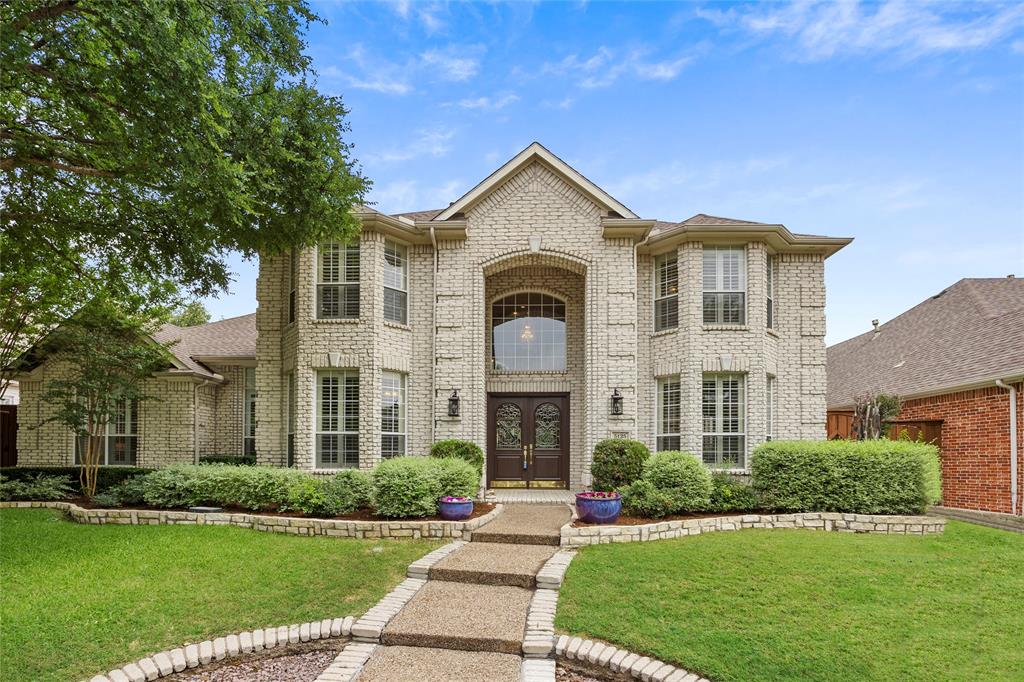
{"x": 943, "y": 357}
{"x": 557, "y": 316}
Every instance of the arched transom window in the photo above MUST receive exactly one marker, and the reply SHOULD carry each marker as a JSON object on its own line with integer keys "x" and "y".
{"x": 528, "y": 333}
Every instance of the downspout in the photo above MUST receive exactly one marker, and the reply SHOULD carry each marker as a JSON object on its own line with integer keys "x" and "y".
{"x": 433, "y": 343}
{"x": 195, "y": 423}
{"x": 1013, "y": 442}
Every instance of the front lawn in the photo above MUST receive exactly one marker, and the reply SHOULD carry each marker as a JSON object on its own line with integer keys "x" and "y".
{"x": 78, "y": 600}
{"x": 803, "y": 605}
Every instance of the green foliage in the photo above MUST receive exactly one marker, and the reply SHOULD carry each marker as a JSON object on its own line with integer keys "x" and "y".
{"x": 642, "y": 498}
{"x": 235, "y": 460}
{"x": 730, "y": 494}
{"x": 461, "y": 449}
{"x": 457, "y": 478}
{"x": 682, "y": 477}
{"x": 617, "y": 462}
{"x": 130, "y": 492}
{"x": 191, "y": 314}
{"x": 411, "y": 486}
{"x": 107, "y": 500}
{"x": 865, "y": 477}
{"x": 327, "y": 497}
{"x": 39, "y": 487}
{"x": 149, "y": 139}
{"x": 106, "y": 477}
{"x": 187, "y": 485}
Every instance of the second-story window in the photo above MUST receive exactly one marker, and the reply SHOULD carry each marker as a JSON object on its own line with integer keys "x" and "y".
{"x": 337, "y": 287}
{"x": 725, "y": 285}
{"x": 666, "y": 292}
{"x": 293, "y": 278}
{"x": 770, "y": 289}
{"x": 396, "y": 283}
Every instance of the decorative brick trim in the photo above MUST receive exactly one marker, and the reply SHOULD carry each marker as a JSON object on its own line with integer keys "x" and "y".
{"x": 537, "y": 670}
{"x": 827, "y": 521}
{"x": 596, "y": 654}
{"x": 349, "y": 663}
{"x": 421, "y": 567}
{"x": 270, "y": 524}
{"x": 551, "y": 574}
{"x": 539, "y": 638}
{"x": 372, "y": 624}
{"x": 194, "y": 655}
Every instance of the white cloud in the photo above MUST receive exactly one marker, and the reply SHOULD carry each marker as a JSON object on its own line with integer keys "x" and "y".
{"x": 402, "y": 195}
{"x": 820, "y": 30}
{"x": 454, "y": 63}
{"x": 370, "y": 73}
{"x": 605, "y": 66}
{"x": 434, "y": 142}
{"x": 489, "y": 103}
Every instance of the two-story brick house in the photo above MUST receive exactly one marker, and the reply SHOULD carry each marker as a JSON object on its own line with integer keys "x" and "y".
{"x": 536, "y": 315}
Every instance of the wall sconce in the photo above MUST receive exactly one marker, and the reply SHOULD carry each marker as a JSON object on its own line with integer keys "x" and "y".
{"x": 616, "y": 402}
{"x": 453, "y": 403}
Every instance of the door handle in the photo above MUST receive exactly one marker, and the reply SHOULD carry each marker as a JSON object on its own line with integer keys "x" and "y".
{"x": 526, "y": 453}
{"x": 531, "y": 454}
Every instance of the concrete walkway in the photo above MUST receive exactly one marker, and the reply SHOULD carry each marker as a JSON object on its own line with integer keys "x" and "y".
{"x": 479, "y": 610}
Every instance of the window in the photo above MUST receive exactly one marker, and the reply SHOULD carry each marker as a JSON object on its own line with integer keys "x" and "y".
{"x": 667, "y": 437}
{"x": 725, "y": 285}
{"x": 769, "y": 408}
{"x": 666, "y": 292}
{"x": 724, "y": 411}
{"x": 396, "y": 280}
{"x": 528, "y": 333}
{"x": 120, "y": 445}
{"x": 337, "y": 431}
{"x": 249, "y": 413}
{"x": 291, "y": 419}
{"x": 293, "y": 278}
{"x": 770, "y": 289}
{"x": 337, "y": 289}
{"x": 392, "y": 414}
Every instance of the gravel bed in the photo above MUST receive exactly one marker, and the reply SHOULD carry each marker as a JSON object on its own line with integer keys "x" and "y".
{"x": 301, "y": 663}
{"x": 563, "y": 674}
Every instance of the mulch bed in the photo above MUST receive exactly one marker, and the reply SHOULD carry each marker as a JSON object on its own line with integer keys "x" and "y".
{"x": 626, "y": 520}
{"x": 479, "y": 509}
{"x": 293, "y": 663}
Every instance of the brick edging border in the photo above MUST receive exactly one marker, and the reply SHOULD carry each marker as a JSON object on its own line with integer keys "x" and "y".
{"x": 268, "y": 524}
{"x": 598, "y": 654}
{"x": 826, "y": 521}
{"x": 194, "y": 655}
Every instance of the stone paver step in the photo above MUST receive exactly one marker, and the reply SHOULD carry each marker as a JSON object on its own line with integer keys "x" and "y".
{"x": 424, "y": 664}
{"x": 463, "y": 616}
{"x": 526, "y": 524}
{"x": 490, "y": 563}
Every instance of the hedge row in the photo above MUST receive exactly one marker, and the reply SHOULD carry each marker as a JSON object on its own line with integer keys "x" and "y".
{"x": 862, "y": 477}
{"x": 106, "y": 477}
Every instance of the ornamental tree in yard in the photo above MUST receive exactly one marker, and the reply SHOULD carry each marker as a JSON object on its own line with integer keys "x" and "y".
{"x": 105, "y": 357}
{"x": 141, "y": 142}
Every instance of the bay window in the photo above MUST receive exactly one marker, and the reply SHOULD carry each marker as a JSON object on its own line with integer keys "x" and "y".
{"x": 396, "y": 283}
{"x": 725, "y": 285}
{"x": 723, "y": 406}
{"x": 770, "y": 290}
{"x": 337, "y": 423}
{"x": 337, "y": 287}
{"x": 392, "y": 415}
{"x": 668, "y": 418}
{"x": 249, "y": 413}
{"x": 666, "y": 292}
{"x": 119, "y": 444}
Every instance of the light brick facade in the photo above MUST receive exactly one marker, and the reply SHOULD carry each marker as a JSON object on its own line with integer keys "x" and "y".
{"x": 535, "y": 225}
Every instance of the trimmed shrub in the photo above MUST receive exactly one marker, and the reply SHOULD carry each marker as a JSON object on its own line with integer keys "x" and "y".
{"x": 643, "y": 499}
{"x": 860, "y": 477}
{"x": 105, "y": 478}
{"x": 39, "y": 487}
{"x": 341, "y": 494}
{"x": 459, "y": 449}
{"x": 107, "y": 499}
{"x": 730, "y": 494}
{"x": 618, "y": 462}
{"x": 682, "y": 477}
{"x": 406, "y": 487}
{"x": 457, "y": 478}
{"x": 130, "y": 492}
{"x": 235, "y": 460}
{"x": 254, "y": 488}
{"x": 353, "y": 488}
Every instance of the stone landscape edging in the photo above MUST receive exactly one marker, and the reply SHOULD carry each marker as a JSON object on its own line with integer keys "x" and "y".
{"x": 826, "y": 521}
{"x": 607, "y": 657}
{"x": 203, "y": 653}
{"x": 269, "y": 524}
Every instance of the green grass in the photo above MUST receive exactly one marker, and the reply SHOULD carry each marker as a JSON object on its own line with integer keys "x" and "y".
{"x": 801, "y": 605}
{"x": 79, "y": 600}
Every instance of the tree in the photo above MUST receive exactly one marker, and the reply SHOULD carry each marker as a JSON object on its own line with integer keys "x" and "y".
{"x": 142, "y": 141}
{"x": 190, "y": 315}
{"x": 871, "y": 413}
{"x": 105, "y": 356}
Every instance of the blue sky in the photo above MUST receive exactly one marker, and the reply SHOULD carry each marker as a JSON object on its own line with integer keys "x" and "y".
{"x": 899, "y": 124}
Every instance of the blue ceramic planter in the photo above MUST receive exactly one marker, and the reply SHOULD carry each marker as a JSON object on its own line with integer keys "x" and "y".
{"x": 598, "y": 509}
{"x": 456, "y": 511}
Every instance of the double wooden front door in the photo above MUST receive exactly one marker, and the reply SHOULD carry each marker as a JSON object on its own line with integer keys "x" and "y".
{"x": 528, "y": 440}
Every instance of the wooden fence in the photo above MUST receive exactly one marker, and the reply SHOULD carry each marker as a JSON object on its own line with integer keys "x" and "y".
{"x": 839, "y": 424}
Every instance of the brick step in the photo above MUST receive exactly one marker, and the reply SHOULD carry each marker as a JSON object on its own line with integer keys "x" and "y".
{"x": 463, "y": 616}
{"x": 488, "y": 563}
{"x": 424, "y": 664}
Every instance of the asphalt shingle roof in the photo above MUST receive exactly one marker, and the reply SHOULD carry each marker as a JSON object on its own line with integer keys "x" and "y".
{"x": 971, "y": 332}
{"x": 234, "y": 337}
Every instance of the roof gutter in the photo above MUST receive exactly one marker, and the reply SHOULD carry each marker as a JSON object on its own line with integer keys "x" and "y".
{"x": 433, "y": 342}
{"x": 1013, "y": 443}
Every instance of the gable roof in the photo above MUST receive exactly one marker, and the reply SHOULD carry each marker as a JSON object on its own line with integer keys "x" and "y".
{"x": 223, "y": 340}
{"x": 536, "y": 151}
{"x": 969, "y": 334}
